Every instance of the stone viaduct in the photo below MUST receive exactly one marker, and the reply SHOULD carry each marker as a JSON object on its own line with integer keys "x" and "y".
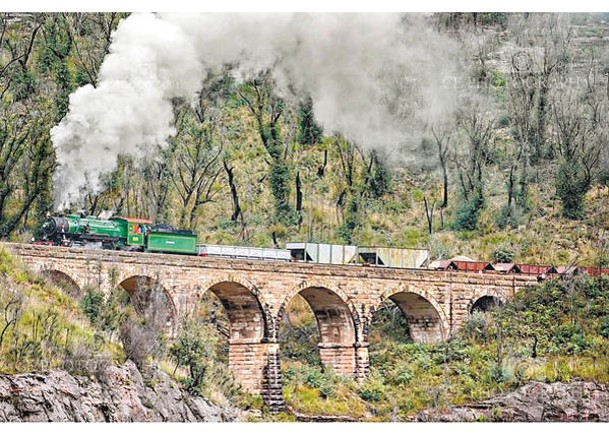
{"x": 256, "y": 294}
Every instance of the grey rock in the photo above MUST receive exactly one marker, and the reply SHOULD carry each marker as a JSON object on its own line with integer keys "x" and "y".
{"x": 534, "y": 402}
{"x": 118, "y": 394}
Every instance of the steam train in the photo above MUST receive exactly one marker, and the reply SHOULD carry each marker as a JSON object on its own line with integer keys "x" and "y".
{"x": 120, "y": 233}
{"x": 142, "y": 235}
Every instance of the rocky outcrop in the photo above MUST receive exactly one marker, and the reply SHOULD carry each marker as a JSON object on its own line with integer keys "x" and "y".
{"x": 536, "y": 401}
{"x": 116, "y": 394}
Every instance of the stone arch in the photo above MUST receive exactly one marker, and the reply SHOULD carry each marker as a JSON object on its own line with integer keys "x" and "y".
{"x": 63, "y": 280}
{"x": 484, "y": 296}
{"x": 484, "y": 303}
{"x": 142, "y": 288}
{"x": 245, "y": 307}
{"x": 336, "y": 318}
{"x": 336, "y": 323}
{"x": 426, "y": 318}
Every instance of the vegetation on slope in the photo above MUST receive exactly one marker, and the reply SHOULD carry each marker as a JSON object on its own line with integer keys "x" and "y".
{"x": 43, "y": 328}
{"x": 519, "y": 172}
{"x": 46, "y": 326}
{"x": 558, "y": 331}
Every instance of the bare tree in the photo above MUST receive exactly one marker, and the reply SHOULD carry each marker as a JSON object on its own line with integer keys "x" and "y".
{"x": 89, "y": 49}
{"x": 443, "y": 138}
{"x": 479, "y": 131}
{"x": 197, "y": 163}
{"x": 11, "y": 303}
{"x": 544, "y": 41}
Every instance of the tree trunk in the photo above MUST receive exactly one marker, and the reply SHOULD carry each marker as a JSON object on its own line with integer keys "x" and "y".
{"x": 298, "y": 199}
{"x": 233, "y": 190}
{"x": 429, "y": 215}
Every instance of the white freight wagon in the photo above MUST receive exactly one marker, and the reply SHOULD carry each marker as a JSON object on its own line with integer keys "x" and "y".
{"x": 322, "y": 253}
{"x": 245, "y": 252}
{"x": 394, "y": 257}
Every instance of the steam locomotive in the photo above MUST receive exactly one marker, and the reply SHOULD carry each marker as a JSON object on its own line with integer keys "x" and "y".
{"x": 120, "y": 233}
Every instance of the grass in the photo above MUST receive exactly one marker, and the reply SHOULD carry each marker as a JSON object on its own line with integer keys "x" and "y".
{"x": 493, "y": 354}
{"x": 45, "y": 328}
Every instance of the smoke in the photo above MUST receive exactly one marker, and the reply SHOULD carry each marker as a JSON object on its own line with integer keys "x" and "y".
{"x": 375, "y": 78}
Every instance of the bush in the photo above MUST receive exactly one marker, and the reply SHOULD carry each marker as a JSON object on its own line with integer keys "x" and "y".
{"x": 571, "y": 187}
{"x": 373, "y": 390}
{"x": 193, "y": 348}
{"x": 92, "y": 303}
{"x": 604, "y": 327}
{"x": 468, "y": 212}
{"x": 140, "y": 341}
{"x": 477, "y": 326}
{"x": 503, "y": 255}
{"x": 508, "y": 217}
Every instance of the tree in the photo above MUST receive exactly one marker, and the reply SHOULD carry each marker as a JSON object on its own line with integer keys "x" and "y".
{"x": 579, "y": 138}
{"x": 197, "y": 162}
{"x": 91, "y": 38}
{"x": 309, "y": 132}
{"x": 442, "y": 138}
{"x": 478, "y": 127}
{"x": 193, "y": 348}
{"x": 534, "y": 74}
{"x": 267, "y": 109}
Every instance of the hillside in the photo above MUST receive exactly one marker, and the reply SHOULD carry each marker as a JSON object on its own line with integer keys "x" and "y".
{"x": 556, "y": 332}
{"x": 476, "y": 134}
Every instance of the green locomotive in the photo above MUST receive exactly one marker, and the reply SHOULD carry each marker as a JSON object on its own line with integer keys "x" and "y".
{"x": 122, "y": 233}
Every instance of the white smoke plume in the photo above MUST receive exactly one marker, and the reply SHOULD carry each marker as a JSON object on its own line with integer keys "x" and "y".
{"x": 369, "y": 75}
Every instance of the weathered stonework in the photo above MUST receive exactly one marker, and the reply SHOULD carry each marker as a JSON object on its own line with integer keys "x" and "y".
{"x": 256, "y": 295}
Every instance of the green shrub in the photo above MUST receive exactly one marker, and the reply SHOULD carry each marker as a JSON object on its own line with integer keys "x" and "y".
{"x": 503, "y": 254}
{"x": 604, "y": 327}
{"x": 92, "y": 303}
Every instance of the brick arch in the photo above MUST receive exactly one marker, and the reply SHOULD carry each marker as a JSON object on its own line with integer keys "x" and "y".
{"x": 245, "y": 306}
{"x": 131, "y": 285}
{"x": 64, "y": 280}
{"x": 335, "y": 314}
{"x": 426, "y": 318}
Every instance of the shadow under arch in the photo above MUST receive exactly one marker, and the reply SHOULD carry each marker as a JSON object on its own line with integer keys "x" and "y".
{"x": 426, "y": 320}
{"x": 63, "y": 280}
{"x": 336, "y": 325}
{"x": 334, "y": 317}
{"x": 151, "y": 299}
{"x": 246, "y": 314}
{"x": 485, "y": 303}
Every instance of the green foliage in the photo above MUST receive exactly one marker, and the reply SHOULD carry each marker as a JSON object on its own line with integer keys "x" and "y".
{"x": 280, "y": 176}
{"x": 23, "y": 84}
{"x": 469, "y": 210}
{"x": 553, "y": 332}
{"x": 477, "y": 327}
{"x": 508, "y": 217}
{"x": 351, "y": 221}
{"x": 193, "y": 348}
{"x": 604, "y": 327}
{"x": 503, "y": 254}
{"x": 309, "y": 132}
{"x": 92, "y": 303}
{"x": 572, "y": 183}
{"x": 43, "y": 327}
{"x": 380, "y": 181}
{"x": 373, "y": 389}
